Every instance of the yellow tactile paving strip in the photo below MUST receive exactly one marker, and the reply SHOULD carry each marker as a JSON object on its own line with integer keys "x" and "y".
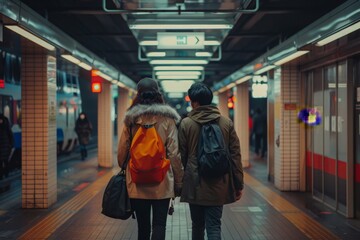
{"x": 49, "y": 224}
{"x": 55, "y": 219}
{"x": 303, "y": 222}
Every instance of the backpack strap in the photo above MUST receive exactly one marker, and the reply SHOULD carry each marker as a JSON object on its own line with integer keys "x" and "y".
{"x": 124, "y": 165}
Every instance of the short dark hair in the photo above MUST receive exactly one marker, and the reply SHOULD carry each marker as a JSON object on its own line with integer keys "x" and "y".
{"x": 200, "y": 93}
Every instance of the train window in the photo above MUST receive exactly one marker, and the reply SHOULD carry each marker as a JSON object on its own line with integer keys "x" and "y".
{"x": 17, "y": 69}
{"x": 8, "y": 68}
{"x": 68, "y": 80}
{"x": 60, "y": 80}
{"x": 7, "y": 107}
{"x": 2, "y": 64}
{"x": 67, "y": 116}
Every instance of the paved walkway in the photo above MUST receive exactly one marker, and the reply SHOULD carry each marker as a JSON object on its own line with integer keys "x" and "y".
{"x": 262, "y": 213}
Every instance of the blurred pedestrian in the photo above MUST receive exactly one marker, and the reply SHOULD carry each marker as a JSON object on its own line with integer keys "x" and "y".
{"x": 206, "y": 196}
{"x": 148, "y": 111}
{"x": 83, "y": 129}
{"x": 260, "y": 132}
{"x": 6, "y": 145}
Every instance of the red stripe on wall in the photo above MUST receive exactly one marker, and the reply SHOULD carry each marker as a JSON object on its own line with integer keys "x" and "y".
{"x": 342, "y": 169}
{"x": 330, "y": 166}
{"x": 357, "y": 172}
{"x": 308, "y": 159}
{"x": 318, "y": 161}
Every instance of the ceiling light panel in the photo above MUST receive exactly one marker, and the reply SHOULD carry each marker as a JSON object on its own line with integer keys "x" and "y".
{"x": 203, "y": 54}
{"x": 174, "y": 62}
{"x": 177, "y": 77}
{"x": 31, "y": 37}
{"x": 156, "y": 54}
{"x": 179, "y": 26}
{"x": 181, "y": 73}
{"x": 179, "y": 68}
{"x": 176, "y": 86}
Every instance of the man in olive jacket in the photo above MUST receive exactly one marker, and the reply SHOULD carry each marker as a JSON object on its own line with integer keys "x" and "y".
{"x": 206, "y": 197}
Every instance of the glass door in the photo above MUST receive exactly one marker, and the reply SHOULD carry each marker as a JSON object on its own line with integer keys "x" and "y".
{"x": 327, "y": 143}
{"x": 357, "y": 138}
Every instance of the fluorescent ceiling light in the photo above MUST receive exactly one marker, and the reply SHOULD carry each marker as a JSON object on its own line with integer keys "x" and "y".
{"x": 243, "y": 79}
{"x": 290, "y": 57}
{"x": 179, "y": 26}
{"x": 85, "y": 66}
{"x": 203, "y": 54}
{"x": 72, "y": 59}
{"x": 175, "y": 95}
{"x": 120, "y": 84}
{"x": 103, "y": 75}
{"x": 179, "y": 68}
{"x": 31, "y": 37}
{"x": 148, "y": 43}
{"x": 264, "y": 69}
{"x": 339, "y": 34}
{"x": 156, "y": 54}
{"x": 176, "y": 73}
{"x": 177, "y": 77}
{"x": 155, "y": 43}
{"x": 176, "y": 86}
{"x": 212, "y": 43}
{"x": 189, "y": 61}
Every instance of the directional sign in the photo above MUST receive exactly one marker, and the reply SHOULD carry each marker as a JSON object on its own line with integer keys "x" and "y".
{"x": 180, "y": 40}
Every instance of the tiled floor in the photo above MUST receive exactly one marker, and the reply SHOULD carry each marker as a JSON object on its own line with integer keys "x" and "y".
{"x": 262, "y": 213}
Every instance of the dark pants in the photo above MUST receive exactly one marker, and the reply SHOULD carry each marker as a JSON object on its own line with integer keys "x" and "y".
{"x": 83, "y": 151}
{"x": 258, "y": 138}
{"x": 142, "y": 209}
{"x": 208, "y": 217}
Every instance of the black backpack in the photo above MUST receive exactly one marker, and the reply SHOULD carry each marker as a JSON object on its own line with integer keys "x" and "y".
{"x": 212, "y": 154}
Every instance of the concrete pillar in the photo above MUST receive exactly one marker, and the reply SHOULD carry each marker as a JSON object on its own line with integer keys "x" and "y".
{"x": 122, "y": 106}
{"x": 241, "y": 120}
{"x": 287, "y": 129}
{"x": 223, "y": 98}
{"x": 105, "y": 126}
{"x": 38, "y": 120}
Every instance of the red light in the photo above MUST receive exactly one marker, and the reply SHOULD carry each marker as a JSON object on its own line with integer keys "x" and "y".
{"x": 2, "y": 83}
{"x": 187, "y": 98}
{"x": 230, "y": 102}
{"x": 96, "y": 87}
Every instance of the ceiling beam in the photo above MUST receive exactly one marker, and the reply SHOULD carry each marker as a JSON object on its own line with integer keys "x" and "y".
{"x": 121, "y": 35}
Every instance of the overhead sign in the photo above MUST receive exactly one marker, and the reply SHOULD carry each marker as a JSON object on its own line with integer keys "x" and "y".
{"x": 180, "y": 40}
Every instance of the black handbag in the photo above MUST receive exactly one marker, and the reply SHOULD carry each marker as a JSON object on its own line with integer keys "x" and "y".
{"x": 116, "y": 201}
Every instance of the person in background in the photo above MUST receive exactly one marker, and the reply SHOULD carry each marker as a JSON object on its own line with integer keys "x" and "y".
{"x": 83, "y": 129}
{"x": 149, "y": 109}
{"x": 260, "y": 131}
{"x": 206, "y": 197}
{"x": 6, "y": 146}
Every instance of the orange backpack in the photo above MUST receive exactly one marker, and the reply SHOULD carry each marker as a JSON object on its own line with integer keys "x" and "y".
{"x": 148, "y": 163}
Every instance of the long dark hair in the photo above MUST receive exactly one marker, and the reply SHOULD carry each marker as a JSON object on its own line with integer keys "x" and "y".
{"x": 147, "y": 98}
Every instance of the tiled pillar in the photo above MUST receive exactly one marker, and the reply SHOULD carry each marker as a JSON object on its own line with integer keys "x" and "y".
{"x": 105, "y": 126}
{"x": 241, "y": 120}
{"x": 38, "y": 119}
{"x": 223, "y": 98}
{"x": 123, "y": 104}
{"x": 287, "y": 155}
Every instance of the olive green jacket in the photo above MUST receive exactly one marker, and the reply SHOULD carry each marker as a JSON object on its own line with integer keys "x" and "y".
{"x": 213, "y": 192}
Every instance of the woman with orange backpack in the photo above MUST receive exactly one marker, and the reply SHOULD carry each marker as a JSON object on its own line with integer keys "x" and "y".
{"x": 154, "y": 171}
